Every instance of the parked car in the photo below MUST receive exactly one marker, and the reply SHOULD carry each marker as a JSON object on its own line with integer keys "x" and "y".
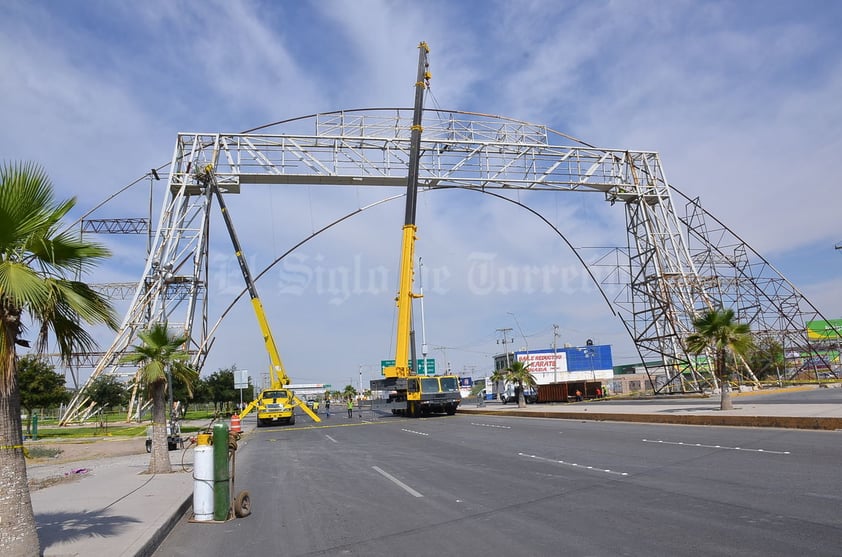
{"x": 511, "y": 392}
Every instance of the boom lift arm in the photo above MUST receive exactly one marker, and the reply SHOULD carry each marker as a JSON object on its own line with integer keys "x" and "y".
{"x": 277, "y": 376}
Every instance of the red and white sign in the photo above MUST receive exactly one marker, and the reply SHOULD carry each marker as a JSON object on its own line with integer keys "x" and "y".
{"x": 546, "y": 367}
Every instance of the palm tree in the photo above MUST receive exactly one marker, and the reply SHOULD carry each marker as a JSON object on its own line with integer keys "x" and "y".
{"x": 158, "y": 357}
{"x": 349, "y": 392}
{"x": 519, "y": 374}
{"x": 36, "y": 260}
{"x": 716, "y": 330}
{"x": 497, "y": 376}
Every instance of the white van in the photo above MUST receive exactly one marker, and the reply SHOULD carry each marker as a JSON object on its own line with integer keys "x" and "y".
{"x": 509, "y": 394}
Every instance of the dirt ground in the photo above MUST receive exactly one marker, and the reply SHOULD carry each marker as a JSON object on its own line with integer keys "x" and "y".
{"x": 51, "y": 463}
{"x": 78, "y": 449}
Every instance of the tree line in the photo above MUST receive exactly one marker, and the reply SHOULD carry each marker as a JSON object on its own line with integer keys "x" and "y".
{"x": 43, "y": 389}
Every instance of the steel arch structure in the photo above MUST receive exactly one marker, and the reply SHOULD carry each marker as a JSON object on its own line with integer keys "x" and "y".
{"x": 677, "y": 260}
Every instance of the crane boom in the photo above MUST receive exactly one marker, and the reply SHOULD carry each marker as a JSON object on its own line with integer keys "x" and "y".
{"x": 407, "y": 269}
{"x": 408, "y": 394}
{"x": 277, "y": 377}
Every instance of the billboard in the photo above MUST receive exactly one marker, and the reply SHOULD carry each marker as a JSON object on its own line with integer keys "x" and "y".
{"x": 541, "y": 362}
{"x": 824, "y": 330}
{"x": 586, "y": 363}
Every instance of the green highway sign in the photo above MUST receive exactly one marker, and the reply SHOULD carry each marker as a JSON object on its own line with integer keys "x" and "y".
{"x": 425, "y": 367}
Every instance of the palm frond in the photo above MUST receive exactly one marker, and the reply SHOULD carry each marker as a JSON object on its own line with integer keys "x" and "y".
{"x": 64, "y": 254}
{"x": 22, "y": 285}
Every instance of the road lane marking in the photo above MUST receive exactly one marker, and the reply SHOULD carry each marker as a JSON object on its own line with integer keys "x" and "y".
{"x": 492, "y": 425}
{"x": 396, "y": 481}
{"x": 766, "y": 451}
{"x": 415, "y": 432}
{"x": 574, "y": 465}
{"x": 331, "y": 438}
{"x": 823, "y": 496}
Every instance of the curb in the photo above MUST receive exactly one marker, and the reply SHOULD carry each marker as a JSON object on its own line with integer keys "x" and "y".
{"x": 152, "y": 544}
{"x": 788, "y": 422}
{"x": 164, "y": 530}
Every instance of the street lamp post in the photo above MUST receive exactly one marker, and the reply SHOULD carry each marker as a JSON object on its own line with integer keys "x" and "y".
{"x": 423, "y": 325}
{"x": 555, "y": 354}
{"x": 589, "y": 353}
{"x": 170, "y": 388}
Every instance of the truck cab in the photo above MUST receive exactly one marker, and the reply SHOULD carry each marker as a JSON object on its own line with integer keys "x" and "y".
{"x": 275, "y": 406}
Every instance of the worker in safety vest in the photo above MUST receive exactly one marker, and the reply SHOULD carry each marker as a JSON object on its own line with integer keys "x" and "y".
{"x": 350, "y": 408}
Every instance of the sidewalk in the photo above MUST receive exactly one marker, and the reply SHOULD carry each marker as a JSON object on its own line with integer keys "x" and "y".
{"x": 113, "y": 509}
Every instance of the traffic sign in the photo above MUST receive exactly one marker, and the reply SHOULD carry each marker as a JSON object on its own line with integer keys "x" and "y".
{"x": 425, "y": 366}
{"x": 241, "y": 379}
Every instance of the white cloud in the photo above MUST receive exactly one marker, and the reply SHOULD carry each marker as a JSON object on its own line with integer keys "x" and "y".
{"x": 741, "y": 100}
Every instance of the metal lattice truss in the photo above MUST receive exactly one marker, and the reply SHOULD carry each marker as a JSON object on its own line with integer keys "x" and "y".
{"x": 657, "y": 300}
{"x": 672, "y": 267}
{"x": 116, "y": 226}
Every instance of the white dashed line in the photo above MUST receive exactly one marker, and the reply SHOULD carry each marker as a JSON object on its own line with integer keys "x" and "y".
{"x": 331, "y": 438}
{"x": 416, "y": 432}
{"x": 492, "y": 425}
{"x": 397, "y": 482}
{"x": 574, "y": 465}
{"x": 766, "y": 451}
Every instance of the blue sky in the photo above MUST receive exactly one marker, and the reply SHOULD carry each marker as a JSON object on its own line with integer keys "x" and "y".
{"x": 741, "y": 99}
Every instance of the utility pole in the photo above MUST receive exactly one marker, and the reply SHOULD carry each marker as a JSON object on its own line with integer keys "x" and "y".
{"x": 505, "y": 343}
{"x": 525, "y": 342}
{"x": 446, "y": 362}
{"x": 555, "y": 354}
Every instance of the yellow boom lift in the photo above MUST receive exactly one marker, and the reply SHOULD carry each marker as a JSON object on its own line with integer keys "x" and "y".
{"x": 410, "y": 394}
{"x": 275, "y": 404}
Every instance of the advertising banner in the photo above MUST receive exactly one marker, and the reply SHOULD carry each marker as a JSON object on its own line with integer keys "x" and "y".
{"x": 584, "y": 363}
{"x": 540, "y": 362}
{"x": 824, "y": 330}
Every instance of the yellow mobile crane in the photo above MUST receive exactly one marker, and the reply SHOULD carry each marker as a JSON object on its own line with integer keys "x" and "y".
{"x": 275, "y": 404}
{"x": 410, "y": 394}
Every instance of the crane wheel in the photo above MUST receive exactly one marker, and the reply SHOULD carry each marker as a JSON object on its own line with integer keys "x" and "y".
{"x": 242, "y": 505}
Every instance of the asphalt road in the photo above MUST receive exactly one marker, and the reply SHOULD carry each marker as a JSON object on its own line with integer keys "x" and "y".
{"x": 488, "y": 485}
